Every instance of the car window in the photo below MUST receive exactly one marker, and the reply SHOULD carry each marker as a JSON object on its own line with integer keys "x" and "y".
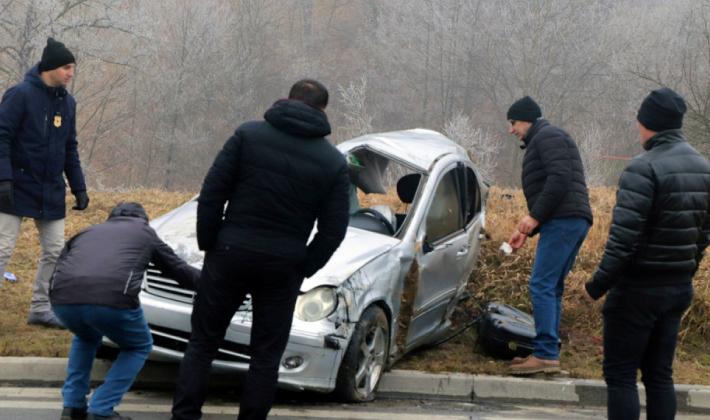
{"x": 472, "y": 195}
{"x": 444, "y": 217}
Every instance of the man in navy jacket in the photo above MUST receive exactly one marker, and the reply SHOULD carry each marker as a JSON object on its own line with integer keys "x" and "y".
{"x": 37, "y": 148}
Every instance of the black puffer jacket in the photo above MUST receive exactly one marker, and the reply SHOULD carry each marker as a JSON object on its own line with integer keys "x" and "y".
{"x": 661, "y": 221}
{"x": 553, "y": 175}
{"x": 104, "y": 264}
{"x": 279, "y": 176}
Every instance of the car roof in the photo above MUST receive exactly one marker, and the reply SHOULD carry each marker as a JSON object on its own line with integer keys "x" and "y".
{"x": 419, "y": 147}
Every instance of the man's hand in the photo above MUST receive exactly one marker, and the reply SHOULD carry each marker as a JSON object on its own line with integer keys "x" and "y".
{"x": 527, "y": 225}
{"x": 517, "y": 240}
{"x": 7, "y": 198}
{"x": 82, "y": 200}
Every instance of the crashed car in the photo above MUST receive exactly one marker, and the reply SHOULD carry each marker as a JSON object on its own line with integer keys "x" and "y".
{"x": 410, "y": 248}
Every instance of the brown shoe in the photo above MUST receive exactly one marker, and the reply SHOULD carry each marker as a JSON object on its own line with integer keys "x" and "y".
{"x": 534, "y": 365}
{"x": 518, "y": 360}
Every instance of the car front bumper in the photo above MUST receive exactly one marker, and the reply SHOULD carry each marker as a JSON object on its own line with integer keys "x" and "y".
{"x": 318, "y": 346}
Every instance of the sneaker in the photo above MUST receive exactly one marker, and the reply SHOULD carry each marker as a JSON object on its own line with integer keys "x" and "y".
{"x": 73, "y": 413}
{"x": 534, "y": 365}
{"x": 45, "y": 319}
{"x": 113, "y": 416}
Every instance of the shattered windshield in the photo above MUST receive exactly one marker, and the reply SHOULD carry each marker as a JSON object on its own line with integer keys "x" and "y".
{"x": 381, "y": 184}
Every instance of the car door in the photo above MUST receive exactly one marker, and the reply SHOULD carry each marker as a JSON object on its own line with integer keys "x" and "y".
{"x": 442, "y": 258}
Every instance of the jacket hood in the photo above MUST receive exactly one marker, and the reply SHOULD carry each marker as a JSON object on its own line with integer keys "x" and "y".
{"x": 129, "y": 210}
{"x": 297, "y": 118}
{"x": 663, "y": 137}
{"x": 32, "y": 77}
{"x": 537, "y": 126}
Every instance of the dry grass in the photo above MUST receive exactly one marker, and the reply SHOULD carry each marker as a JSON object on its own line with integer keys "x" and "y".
{"x": 498, "y": 278}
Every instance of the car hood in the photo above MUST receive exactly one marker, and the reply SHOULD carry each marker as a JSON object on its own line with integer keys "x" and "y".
{"x": 357, "y": 249}
{"x": 177, "y": 229}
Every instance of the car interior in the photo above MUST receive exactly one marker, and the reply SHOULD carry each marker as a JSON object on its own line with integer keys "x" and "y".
{"x": 385, "y": 192}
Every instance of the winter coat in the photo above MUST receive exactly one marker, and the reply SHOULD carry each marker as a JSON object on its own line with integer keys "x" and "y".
{"x": 37, "y": 147}
{"x": 661, "y": 221}
{"x": 105, "y": 264}
{"x": 553, "y": 175}
{"x": 278, "y": 176}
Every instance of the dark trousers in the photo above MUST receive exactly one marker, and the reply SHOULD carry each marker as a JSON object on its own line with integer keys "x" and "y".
{"x": 640, "y": 332}
{"x": 227, "y": 276}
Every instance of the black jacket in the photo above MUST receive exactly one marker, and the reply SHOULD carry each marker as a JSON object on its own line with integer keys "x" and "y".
{"x": 553, "y": 175}
{"x": 105, "y": 263}
{"x": 38, "y": 147}
{"x": 661, "y": 221}
{"x": 278, "y": 176}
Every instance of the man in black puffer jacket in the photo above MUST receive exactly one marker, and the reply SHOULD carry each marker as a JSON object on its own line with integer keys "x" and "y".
{"x": 558, "y": 205}
{"x": 278, "y": 177}
{"x": 94, "y": 292}
{"x": 659, "y": 231}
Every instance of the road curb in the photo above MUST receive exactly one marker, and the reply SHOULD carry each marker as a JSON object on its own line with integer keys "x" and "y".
{"x": 400, "y": 384}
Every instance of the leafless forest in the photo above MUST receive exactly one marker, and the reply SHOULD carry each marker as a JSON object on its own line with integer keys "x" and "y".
{"x": 161, "y": 84}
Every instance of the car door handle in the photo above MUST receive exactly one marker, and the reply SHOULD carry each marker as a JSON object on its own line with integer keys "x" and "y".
{"x": 463, "y": 251}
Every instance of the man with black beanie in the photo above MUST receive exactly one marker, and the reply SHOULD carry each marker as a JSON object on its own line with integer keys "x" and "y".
{"x": 558, "y": 206}
{"x": 38, "y": 148}
{"x": 659, "y": 231}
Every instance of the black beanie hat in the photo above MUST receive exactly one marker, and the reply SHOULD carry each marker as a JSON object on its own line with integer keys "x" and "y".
{"x": 55, "y": 55}
{"x": 662, "y": 109}
{"x": 525, "y": 109}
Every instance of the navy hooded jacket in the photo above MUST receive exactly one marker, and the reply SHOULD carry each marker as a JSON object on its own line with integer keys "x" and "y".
{"x": 38, "y": 146}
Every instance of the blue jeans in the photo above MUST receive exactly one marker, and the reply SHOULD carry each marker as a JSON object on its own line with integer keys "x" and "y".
{"x": 89, "y": 323}
{"x": 640, "y": 332}
{"x": 560, "y": 240}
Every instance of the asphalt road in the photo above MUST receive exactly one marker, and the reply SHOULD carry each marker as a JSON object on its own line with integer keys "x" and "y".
{"x": 26, "y": 403}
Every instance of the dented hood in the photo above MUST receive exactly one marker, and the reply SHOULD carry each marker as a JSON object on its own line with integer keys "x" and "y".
{"x": 177, "y": 229}
{"x": 358, "y": 248}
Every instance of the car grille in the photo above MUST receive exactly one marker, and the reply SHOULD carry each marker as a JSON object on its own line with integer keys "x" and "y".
{"x": 159, "y": 285}
{"x": 176, "y": 340}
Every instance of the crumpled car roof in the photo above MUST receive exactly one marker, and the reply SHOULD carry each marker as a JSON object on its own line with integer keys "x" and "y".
{"x": 418, "y": 147}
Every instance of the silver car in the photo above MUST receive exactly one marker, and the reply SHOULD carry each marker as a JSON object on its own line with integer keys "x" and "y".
{"x": 392, "y": 286}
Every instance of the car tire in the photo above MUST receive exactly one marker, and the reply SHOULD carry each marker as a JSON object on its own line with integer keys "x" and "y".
{"x": 365, "y": 358}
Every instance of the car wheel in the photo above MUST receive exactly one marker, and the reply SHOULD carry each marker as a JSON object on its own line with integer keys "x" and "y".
{"x": 365, "y": 358}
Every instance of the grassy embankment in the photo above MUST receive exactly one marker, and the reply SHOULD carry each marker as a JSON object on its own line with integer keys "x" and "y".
{"x": 498, "y": 278}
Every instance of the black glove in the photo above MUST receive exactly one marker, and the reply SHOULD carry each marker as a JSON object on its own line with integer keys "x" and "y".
{"x": 82, "y": 200}
{"x": 7, "y": 198}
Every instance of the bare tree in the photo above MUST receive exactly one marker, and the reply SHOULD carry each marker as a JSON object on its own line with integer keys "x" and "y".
{"x": 357, "y": 120}
{"x": 483, "y": 147}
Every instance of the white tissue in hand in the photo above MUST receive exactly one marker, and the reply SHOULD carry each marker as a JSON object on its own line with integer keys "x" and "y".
{"x": 505, "y": 248}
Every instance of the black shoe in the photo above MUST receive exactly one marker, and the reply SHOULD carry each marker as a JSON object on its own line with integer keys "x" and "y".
{"x": 73, "y": 413}
{"x": 114, "y": 416}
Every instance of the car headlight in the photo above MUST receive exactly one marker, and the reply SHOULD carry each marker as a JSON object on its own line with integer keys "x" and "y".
{"x": 316, "y": 304}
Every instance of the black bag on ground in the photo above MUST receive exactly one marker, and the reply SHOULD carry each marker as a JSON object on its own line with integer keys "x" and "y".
{"x": 505, "y": 332}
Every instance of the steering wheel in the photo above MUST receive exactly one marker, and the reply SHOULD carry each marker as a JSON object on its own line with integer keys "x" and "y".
{"x": 377, "y": 215}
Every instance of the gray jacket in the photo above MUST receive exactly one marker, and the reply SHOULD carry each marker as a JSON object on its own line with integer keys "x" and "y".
{"x": 105, "y": 264}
